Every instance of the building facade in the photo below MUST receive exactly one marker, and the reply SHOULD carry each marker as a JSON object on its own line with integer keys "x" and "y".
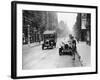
{"x": 35, "y": 23}
{"x": 82, "y": 27}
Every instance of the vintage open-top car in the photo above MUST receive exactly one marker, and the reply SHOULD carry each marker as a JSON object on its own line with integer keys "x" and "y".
{"x": 49, "y": 39}
{"x": 66, "y": 48}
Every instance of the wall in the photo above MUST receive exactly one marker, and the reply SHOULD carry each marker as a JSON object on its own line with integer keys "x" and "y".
{"x": 5, "y": 40}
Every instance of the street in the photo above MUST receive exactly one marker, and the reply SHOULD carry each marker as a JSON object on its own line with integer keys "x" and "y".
{"x": 35, "y": 58}
{"x": 39, "y": 26}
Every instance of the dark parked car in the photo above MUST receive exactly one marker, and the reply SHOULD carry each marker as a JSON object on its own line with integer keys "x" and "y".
{"x": 49, "y": 39}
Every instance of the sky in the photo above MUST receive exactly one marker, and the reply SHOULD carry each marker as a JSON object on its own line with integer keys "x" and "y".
{"x": 68, "y": 18}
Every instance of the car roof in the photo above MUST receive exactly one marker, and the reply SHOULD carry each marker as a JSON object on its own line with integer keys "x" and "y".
{"x": 49, "y": 32}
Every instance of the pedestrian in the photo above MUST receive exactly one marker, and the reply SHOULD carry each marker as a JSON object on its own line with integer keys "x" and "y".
{"x": 74, "y": 47}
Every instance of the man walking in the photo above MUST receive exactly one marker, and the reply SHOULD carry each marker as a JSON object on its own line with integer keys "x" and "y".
{"x": 73, "y": 46}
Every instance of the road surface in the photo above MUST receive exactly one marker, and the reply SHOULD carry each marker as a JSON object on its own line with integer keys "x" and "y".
{"x": 35, "y": 58}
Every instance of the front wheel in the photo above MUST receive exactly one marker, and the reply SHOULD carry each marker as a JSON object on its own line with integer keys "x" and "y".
{"x": 60, "y": 51}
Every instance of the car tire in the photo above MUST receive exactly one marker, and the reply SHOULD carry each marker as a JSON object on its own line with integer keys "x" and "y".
{"x": 42, "y": 47}
{"x": 60, "y": 52}
{"x": 55, "y": 46}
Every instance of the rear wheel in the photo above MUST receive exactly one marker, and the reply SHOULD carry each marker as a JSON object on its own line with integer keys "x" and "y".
{"x": 42, "y": 46}
{"x": 55, "y": 45}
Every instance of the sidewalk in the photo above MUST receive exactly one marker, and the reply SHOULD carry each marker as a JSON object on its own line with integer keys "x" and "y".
{"x": 27, "y": 46}
{"x": 84, "y": 51}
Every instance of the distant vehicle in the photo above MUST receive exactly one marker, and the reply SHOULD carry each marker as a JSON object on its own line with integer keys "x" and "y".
{"x": 66, "y": 49}
{"x": 49, "y": 39}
